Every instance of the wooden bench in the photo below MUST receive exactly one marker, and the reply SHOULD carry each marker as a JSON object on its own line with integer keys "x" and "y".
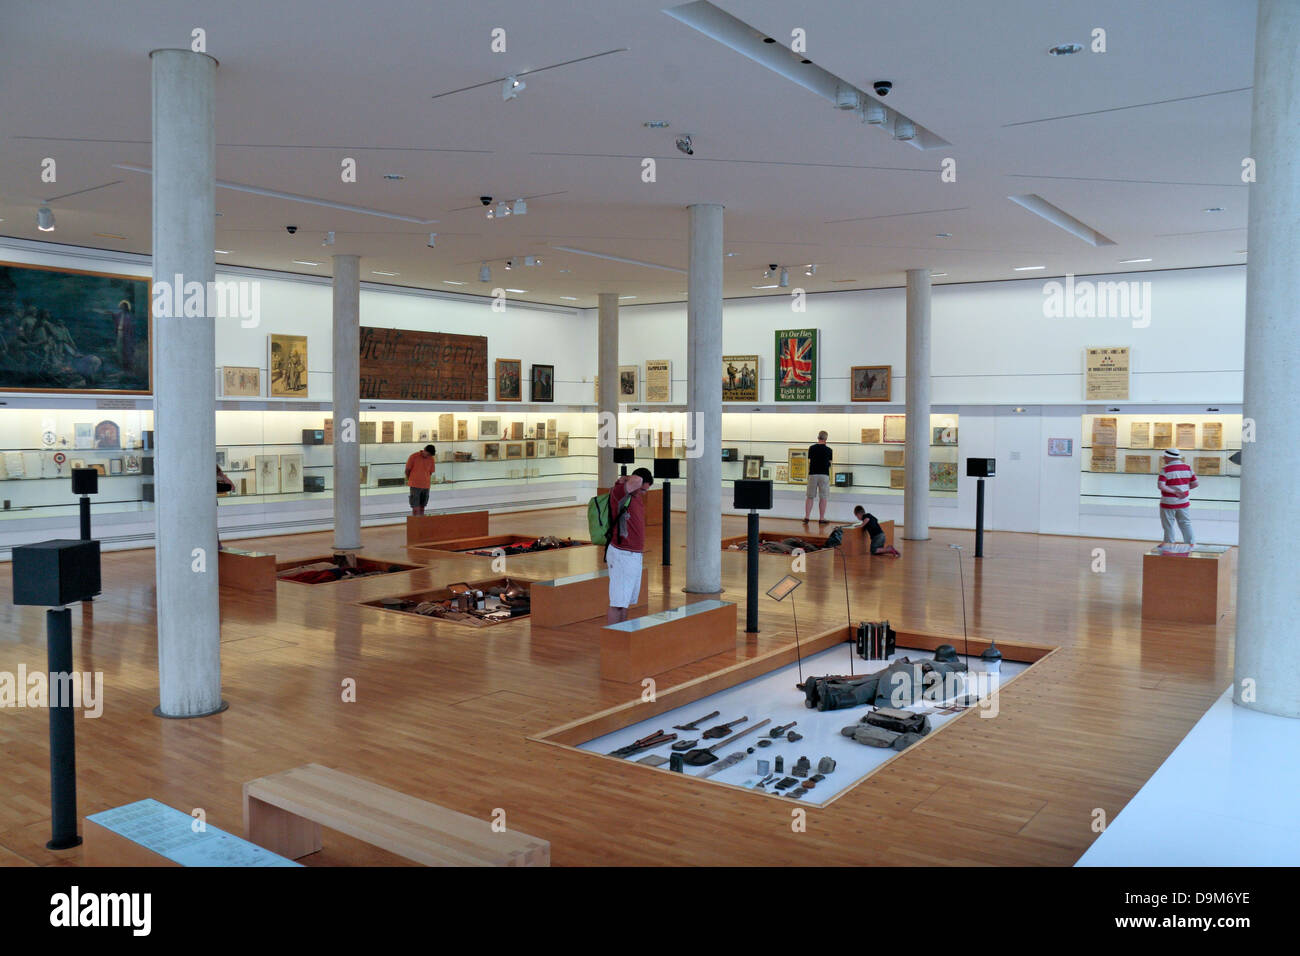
{"x": 578, "y": 597}
{"x": 285, "y": 811}
{"x": 441, "y": 527}
{"x": 246, "y": 570}
{"x": 642, "y": 647}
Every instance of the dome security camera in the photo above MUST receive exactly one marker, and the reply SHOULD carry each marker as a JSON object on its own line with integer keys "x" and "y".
{"x": 684, "y": 144}
{"x": 882, "y": 87}
{"x": 485, "y": 200}
{"x": 291, "y": 229}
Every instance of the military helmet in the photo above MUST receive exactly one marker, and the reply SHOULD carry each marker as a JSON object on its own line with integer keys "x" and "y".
{"x": 946, "y": 653}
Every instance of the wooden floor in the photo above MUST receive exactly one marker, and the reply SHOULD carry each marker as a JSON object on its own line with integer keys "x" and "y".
{"x": 443, "y": 710}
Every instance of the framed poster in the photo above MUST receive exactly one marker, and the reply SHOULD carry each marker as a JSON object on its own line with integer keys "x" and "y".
{"x": 658, "y": 380}
{"x": 542, "y": 387}
{"x": 552, "y": 426}
{"x": 387, "y": 432}
{"x": 1060, "y": 447}
{"x": 530, "y": 448}
{"x": 69, "y": 330}
{"x": 943, "y": 435}
{"x": 1207, "y": 465}
{"x": 1185, "y": 435}
{"x": 288, "y": 365}
{"x": 893, "y": 457}
{"x": 408, "y": 432}
{"x": 895, "y": 429}
{"x": 241, "y": 380}
{"x": 446, "y": 427}
{"x": 222, "y": 455}
{"x": 1137, "y": 464}
{"x": 367, "y": 432}
{"x": 740, "y": 378}
{"x": 462, "y": 429}
{"x": 509, "y": 375}
{"x": 1105, "y": 431}
{"x": 1105, "y": 373}
{"x": 514, "y": 450}
{"x": 898, "y": 478}
{"x": 291, "y": 473}
{"x": 871, "y": 436}
{"x": 492, "y": 451}
{"x": 563, "y": 444}
{"x": 1212, "y": 435}
{"x": 552, "y": 447}
{"x": 781, "y": 474}
{"x": 402, "y": 364}
{"x": 796, "y": 365}
{"x": 871, "y": 383}
{"x": 1162, "y": 434}
{"x": 753, "y": 466}
{"x": 629, "y": 389}
{"x": 943, "y": 476}
{"x": 83, "y": 435}
{"x": 1139, "y": 435}
{"x": 268, "y": 475}
{"x": 797, "y": 459}
{"x": 1103, "y": 458}
{"x": 489, "y": 428}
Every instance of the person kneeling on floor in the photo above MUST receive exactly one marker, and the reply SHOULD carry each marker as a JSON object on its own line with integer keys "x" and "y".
{"x": 870, "y": 526}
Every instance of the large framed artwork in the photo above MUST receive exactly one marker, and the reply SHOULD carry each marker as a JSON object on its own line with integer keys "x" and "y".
{"x": 796, "y": 365}
{"x": 943, "y": 476}
{"x": 489, "y": 428}
{"x": 871, "y": 383}
{"x": 629, "y": 389}
{"x": 241, "y": 380}
{"x": 68, "y": 330}
{"x": 798, "y": 463}
{"x": 895, "y": 428}
{"x": 542, "y": 388}
{"x": 658, "y": 380}
{"x": 402, "y": 364}
{"x": 288, "y": 365}
{"x": 740, "y": 378}
{"x": 509, "y": 375}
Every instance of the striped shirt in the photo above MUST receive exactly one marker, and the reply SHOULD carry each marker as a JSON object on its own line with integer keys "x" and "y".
{"x": 1176, "y": 481}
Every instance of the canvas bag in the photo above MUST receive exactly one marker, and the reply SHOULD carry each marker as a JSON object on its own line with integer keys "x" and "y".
{"x": 600, "y": 521}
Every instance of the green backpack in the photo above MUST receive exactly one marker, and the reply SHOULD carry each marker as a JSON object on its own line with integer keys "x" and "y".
{"x": 600, "y": 521}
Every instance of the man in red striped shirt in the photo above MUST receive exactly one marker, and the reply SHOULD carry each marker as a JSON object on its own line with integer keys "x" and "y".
{"x": 1176, "y": 481}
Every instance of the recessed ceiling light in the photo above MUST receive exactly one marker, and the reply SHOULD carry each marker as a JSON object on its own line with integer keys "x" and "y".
{"x": 627, "y": 297}
{"x": 732, "y": 254}
{"x": 1213, "y": 209}
{"x": 565, "y": 270}
{"x": 1029, "y": 268}
{"x": 452, "y": 282}
{"x": 937, "y": 275}
{"x": 569, "y": 298}
{"x": 1125, "y": 262}
{"x": 376, "y": 272}
{"x": 1065, "y": 49}
{"x": 306, "y": 262}
{"x": 773, "y": 286}
{"x": 943, "y": 235}
{"x": 393, "y": 176}
{"x": 222, "y": 252}
{"x": 652, "y": 124}
{"x": 102, "y": 235}
{"x": 520, "y": 291}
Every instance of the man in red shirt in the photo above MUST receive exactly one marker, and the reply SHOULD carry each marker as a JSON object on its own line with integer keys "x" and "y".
{"x": 627, "y": 544}
{"x": 1176, "y": 481}
{"x": 419, "y": 469}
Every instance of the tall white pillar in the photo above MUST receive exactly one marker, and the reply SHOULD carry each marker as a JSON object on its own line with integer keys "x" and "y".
{"x": 347, "y": 402}
{"x": 704, "y": 400}
{"x": 607, "y": 368}
{"x": 184, "y": 360}
{"x": 1266, "y": 662}
{"x": 916, "y": 464}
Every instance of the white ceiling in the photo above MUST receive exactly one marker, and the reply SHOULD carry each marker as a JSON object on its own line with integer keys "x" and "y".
{"x": 304, "y": 83}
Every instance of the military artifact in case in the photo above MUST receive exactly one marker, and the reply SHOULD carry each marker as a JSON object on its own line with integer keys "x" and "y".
{"x": 721, "y": 730}
{"x": 826, "y": 765}
{"x": 778, "y": 731}
{"x": 801, "y": 767}
{"x": 676, "y": 764}
{"x": 645, "y": 743}
{"x": 899, "y": 721}
{"x": 685, "y": 744}
{"x": 696, "y": 722}
{"x": 779, "y": 765}
{"x": 653, "y": 760}
{"x": 705, "y": 756}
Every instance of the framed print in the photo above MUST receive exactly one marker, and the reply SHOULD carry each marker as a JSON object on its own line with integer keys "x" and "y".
{"x": 1105, "y": 431}
{"x": 552, "y": 426}
{"x": 798, "y": 464}
{"x": 539, "y": 430}
{"x": 1211, "y": 435}
{"x": 1162, "y": 435}
{"x": 1103, "y": 458}
{"x": 446, "y": 427}
{"x": 241, "y": 380}
{"x": 408, "y": 432}
{"x": 288, "y": 365}
{"x": 69, "y": 330}
{"x": 1139, "y": 435}
{"x": 898, "y": 478}
{"x": 943, "y": 476}
{"x": 131, "y": 464}
{"x": 543, "y": 446}
{"x": 367, "y": 432}
{"x": 1185, "y": 435}
{"x": 871, "y": 436}
{"x": 740, "y": 378}
{"x": 492, "y": 451}
{"x": 462, "y": 429}
{"x": 871, "y": 383}
{"x": 268, "y": 475}
{"x": 222, "y": 454}
{"x": 629, "y": 389}
{"x": 115, "y": 466}
{"x": 489, "y": 428}
{"x": 658, "y": 380}
{"x": 1207, "y": 465}
{"x": 753, "y": 466}
{"x": 509, "y": 375}
{"x": 1060, "y": 447}
{"x": 796, "y": 365}
{"x": 424, "y": 437}
{"x": 781, "y": 474}
{"x": 530, "y": 448}
{"x": 943, "y": 435}
{"x": 387, "y": 432}
{"x": 83, "y": 435}
{"x": 291, "y": 473}
{"x": 552, "y": 447}
{"x": 1137, "y": 464}
{"x": 542, "y": 384}
{"x": 514, "y": 450}
{"x": 766, "y": 474}
{"x": 893, "y": 457}
{"x": 895, "y": 428}
{"x": 516, "y": 431}
{"x": 563, "y": 446}
{"x": 108, "y": 435}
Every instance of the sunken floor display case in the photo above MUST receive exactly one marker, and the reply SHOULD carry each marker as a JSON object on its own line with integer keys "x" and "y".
{"x": 475, "y": 604}
{"x": 762, "y": 727}
{"x": 329, "y": 568}
{"x": 496, "y": 545}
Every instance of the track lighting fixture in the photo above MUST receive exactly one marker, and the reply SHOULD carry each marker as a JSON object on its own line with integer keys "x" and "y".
{"x": 328, "y": 240}
{"x": 873, "y": 114}
{"x": 532, "y": 261}
{"x": 904, "y": 130}
{"x": 811, "y": 270}
{"x": 520, "y": 207}
{"x": 433, "y": 238}
{"x": 45, "y": 219}
{"x": 503, "y": 210}
{"x": 511, "y": 87}
{"x": 510, "y": 264}
{"x": 684, "y": 143}
{"x": 484, "y": 273}
{"x": 784, "y": 281}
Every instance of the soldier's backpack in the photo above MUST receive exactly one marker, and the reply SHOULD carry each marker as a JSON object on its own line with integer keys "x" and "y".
{"x": 600, "y": 519}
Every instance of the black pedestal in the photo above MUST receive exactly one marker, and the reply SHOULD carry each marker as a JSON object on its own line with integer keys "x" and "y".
{"x": 63, "y": 748}
{"x": 668, "y": 524}
{"x": 85, "y": 517}
{"x": 751, "y": 575}
{"x": 979, "y": 517}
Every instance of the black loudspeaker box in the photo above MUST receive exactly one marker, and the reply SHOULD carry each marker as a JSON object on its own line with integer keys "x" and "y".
{"x": 730, "y": 454}
{"x": 54, "y": 573}
{"x": 843, "y": 479}
{"x": 624, "y": 456}
{"x": 667, "y": 468}
{"x": 313, "y": 436}
{"x": 85, "y": 481}
{"x": 752, "y": 495}
{"x": 981, "y": 467}
{"x": 313, "y": 482}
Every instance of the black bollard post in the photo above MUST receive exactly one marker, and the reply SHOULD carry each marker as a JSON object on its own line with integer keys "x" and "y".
{"x": 85, "y": 517}
{"x": 751, "y": 575}
{"x": 63, "y": 747}
{"x": 668, "y": 523}
{"x": 979, "y": 518}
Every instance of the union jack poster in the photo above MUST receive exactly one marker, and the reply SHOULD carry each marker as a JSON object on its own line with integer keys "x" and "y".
{"x": 796, "y": 365}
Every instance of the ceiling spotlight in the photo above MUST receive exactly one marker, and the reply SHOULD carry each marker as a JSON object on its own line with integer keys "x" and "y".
{"x": 393, "y": 177}
{"x": 433, "y": 238}
{"x": 767, "y": 273}
{"x": 811, "y": 270}
{"x": 510, "y": 264}
{"x": 484, "y": 273}
{"x": 873, "y": 115}
{"x": 503, "y": 210}
{"x": 532, "y": 261}
{"x": 328, "y": 240}
{"x": 520, "y": 208}
{"x": 846, "y": 98}
{"x": 654, "y": 124}
{"x": 684, "y": 144}
{"x": 785, "y": 278}
{"x": 491, "y": 213}
{"x": 1065, "y": 49}
{"x": 511, "y": 87}
{"x": 45, "y": 219}
{"x": 904, "y": 130}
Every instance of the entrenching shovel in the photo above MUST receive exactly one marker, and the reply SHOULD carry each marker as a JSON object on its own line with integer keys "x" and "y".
{"x": 722, "y": 729}
{"x": 704, "y": 756}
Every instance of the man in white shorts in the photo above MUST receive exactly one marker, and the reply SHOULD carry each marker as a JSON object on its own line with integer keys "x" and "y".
{"x": 627, "y": 544}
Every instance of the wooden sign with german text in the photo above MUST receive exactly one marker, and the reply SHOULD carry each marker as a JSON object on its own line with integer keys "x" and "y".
{"x": 426, "y": 366}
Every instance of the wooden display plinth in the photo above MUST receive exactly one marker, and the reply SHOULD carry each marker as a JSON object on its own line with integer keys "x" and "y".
{"x": 578, "y": 597}
{"x": 654, "y": 505}
{"x": 285, "y": 812}
{"x": 856, "y": 541}
{"x": 246, "y": 570}
{"x": 1191, "y": 588}
{"x": 442, "y": 527}
{"x": 642, "y": 647}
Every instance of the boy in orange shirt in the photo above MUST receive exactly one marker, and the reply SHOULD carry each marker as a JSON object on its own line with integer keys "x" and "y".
{"x": 419, "y": 469}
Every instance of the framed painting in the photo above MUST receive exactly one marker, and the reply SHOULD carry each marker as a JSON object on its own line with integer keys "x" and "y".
{"x": 492, "y": 451}
{"x": 530, "y": 448}
{"x": 489, "y": 428}
{"x": 74, "y": 331}
{"x": 241, "y": 380}
{"x": 514, "y": 450}
{"x": 288, "y": 364}
{"x": 509, "y": 375}
{"x": 753, "y": 466}
{"x": 871, "y": 383}
{"x": 108, "y": 435}
{"x": 629, "y": 388}
{"x": 132, "y": 464}
{"x": 543, "y": 384}
{"x": 740, "y": 378}
{"x": 1060, "y": 447}
{"x": 796, "y": 365}
{"x": 895, "y": 428}
{"x": 943, "y": 476}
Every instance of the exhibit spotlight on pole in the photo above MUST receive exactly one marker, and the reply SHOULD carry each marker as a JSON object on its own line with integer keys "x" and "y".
{"x": 667, "y": 469}
{"x": 779, "y": 592}
{"x": 54, "y": 574}
{"x": 624, "y": 456}
{"x": 753, "y": 495}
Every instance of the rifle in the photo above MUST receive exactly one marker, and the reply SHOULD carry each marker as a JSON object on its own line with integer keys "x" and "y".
{"x": 704, "y": 755}
{"x": 645, "y": 743}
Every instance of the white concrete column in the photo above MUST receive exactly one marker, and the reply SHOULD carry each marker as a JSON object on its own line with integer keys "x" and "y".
{"x": 184, "y": 360}
{"x": 916, "y": 490}
{"x": 347, "y": 402}
{"x": 607, "y": 368}
{"x": 1266, "y": 662}
{"x": 704, "y": 400}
